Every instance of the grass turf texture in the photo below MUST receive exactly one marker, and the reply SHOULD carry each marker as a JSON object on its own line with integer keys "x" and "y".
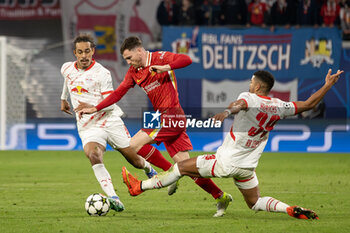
{"x": 45, "y": 191}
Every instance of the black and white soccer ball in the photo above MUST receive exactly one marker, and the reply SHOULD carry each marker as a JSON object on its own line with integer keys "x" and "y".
{"x": 97, "y": 204}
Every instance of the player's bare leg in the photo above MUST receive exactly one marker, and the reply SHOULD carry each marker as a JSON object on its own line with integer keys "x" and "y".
{"x": 135, "y": 160}
{"x": 179, "y": 156}
{"x": 161, "y": 180}
{"x": 94, "y": 151}
{"x": 141, "y": 143}
{"x": 139, "y": 139}
{"x": 251, "y": 196}
{"x": 270, "y": 204}
{"x": 223, "y": 199}
{"x": 186, "y": 167}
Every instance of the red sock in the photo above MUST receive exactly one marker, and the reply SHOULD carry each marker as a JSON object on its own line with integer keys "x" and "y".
{"x": 152, "y": 155}
{"x": 209, "y": 186}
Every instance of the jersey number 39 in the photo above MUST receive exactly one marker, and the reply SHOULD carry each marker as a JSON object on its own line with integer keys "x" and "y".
{"x": 262, "y": 118}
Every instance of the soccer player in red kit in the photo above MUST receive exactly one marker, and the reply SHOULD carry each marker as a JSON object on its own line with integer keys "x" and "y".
{"x": 154, "y": 73}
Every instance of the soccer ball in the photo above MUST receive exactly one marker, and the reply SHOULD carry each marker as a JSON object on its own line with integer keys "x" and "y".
{"x": 97, "y": 204}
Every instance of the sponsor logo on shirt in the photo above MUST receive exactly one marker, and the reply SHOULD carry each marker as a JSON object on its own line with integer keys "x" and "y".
{"x": 151, "y": 86}
{"x": 80, "y": 90}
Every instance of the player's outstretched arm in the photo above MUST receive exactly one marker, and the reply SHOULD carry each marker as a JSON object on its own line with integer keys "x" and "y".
{"x": 233, "y": 108}
{"x": 179, "y": 61}
{"x": 315, "y": 98}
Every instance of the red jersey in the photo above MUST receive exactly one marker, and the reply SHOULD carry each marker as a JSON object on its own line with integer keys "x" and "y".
{"x": 161, "y": 88}
{"x": 330, "y": 13}
{"x": 257, "y": 11}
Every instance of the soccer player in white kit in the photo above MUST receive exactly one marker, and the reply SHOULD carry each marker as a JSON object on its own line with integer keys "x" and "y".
{"x": 238, "y": 156}
{"x": 85, "y": 80}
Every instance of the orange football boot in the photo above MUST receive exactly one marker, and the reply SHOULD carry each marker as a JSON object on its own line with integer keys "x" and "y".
{"x": 133, "y": 184}
{"x": 301, "y": 213}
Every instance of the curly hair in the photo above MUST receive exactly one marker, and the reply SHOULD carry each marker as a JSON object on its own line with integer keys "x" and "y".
{"x": 84, "y": 38}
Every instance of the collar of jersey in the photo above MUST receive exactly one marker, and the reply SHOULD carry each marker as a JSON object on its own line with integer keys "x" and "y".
{"x": 90, "y": 66}
{"x": 264, "y": 97}
{"x": 148, "y": 61}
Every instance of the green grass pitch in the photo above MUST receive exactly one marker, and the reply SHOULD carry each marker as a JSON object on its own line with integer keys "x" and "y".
{"x": 45, "y": 191}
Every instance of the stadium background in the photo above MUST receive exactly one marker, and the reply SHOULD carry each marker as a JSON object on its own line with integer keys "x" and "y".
{"x": 38, "y": 41}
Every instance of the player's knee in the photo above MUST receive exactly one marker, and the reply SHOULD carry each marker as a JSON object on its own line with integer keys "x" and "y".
{"x": 94, "y": 157}
{"x": 180, "y": 156}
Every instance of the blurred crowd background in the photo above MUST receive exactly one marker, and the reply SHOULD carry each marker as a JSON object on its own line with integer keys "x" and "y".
{"x": 262, "y": 13}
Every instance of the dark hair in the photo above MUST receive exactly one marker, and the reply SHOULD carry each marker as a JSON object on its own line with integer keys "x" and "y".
{"x": 130, "y": 43}
{"x": 83, "y": 38}
{"x": 265, "y": 77}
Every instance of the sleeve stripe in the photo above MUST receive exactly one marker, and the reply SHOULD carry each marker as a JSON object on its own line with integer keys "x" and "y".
{"x": 231, "y": 133}
{"x": 106, "y": 92}
{"x": 296, "y": 108}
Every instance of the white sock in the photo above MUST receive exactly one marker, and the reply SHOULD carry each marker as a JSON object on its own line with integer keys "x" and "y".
{"x": 270, "y": 204}
{"x": 147, "y": 167}
{"x": 104, "y": 179}
{"x": 163, "y": 179}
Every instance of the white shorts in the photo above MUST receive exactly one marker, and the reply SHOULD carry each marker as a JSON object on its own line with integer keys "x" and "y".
{"x": 117, "y": 136}
{"x": 209, "y": 166}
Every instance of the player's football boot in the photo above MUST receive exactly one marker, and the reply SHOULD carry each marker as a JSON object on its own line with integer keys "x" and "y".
{"x": 133, "y": 184}
{"x": 116, "y": 204}
{"x": 222, "y": 203}
{"x": 301, "y": 213}
{"x": 172, "y": 188}
{"x": 151, "y": 173}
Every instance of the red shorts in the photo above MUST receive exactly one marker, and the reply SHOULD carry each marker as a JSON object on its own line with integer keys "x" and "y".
{"x": 175, "y": 140}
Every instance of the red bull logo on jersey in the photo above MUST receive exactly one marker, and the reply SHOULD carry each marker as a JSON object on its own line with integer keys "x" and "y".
{"x": 317, "y": 52}
{"x": 80, "y": 90}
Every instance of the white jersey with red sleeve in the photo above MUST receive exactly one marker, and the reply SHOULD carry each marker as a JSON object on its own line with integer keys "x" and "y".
{"x": 248, "y": 135}
{"x": 91, "y": 86}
